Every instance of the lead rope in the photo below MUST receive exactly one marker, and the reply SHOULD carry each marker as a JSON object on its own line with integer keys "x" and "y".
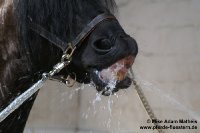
{"x": 66, "y": 58}
{"x": 145, "y": 102}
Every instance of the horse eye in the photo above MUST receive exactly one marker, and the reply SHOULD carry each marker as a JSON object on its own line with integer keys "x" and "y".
{"x": 103, "y": 45}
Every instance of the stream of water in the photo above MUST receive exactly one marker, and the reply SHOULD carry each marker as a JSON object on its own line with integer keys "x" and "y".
{"x": 169, "y": 99}
{"x": 147, "y": 87}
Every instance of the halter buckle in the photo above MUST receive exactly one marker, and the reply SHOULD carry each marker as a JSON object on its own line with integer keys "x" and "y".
{"x": 68, "y": 52}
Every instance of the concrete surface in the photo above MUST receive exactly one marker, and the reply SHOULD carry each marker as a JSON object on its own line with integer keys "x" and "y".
{"x": 167, "y": 67}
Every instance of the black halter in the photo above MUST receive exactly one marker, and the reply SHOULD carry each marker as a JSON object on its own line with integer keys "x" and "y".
{"x": 67, "y": 48}
{"x": 64, "y": 46}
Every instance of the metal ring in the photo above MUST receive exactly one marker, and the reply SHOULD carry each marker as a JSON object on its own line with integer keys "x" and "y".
{"x": 69, "y": 81}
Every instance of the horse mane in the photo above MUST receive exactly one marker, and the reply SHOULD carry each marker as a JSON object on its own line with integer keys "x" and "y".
{"x": 24, "y": 52}
{"x": 63, "y": 18}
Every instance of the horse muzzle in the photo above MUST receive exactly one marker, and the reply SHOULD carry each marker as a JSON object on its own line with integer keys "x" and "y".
{"x": 114, "y": 77}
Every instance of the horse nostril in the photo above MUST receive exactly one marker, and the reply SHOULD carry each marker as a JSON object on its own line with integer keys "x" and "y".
{"x": 102, "y": 46}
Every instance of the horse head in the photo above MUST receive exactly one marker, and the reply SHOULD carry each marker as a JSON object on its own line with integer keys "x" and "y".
{"x": 103, "y": 57}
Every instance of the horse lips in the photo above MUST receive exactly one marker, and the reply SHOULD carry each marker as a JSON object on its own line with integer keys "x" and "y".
{"x": 118, "y": 71}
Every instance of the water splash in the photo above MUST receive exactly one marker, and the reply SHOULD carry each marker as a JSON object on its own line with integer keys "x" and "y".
{"x": 164, "y": 95}
{"x": 112, "y": 74}
{"x": 110, "y": 103}
{"x": 96, "y": 104}
{"x": 76, "y": 90}
{"x": 86, "y": 113}
{"x": 97, "y": 99}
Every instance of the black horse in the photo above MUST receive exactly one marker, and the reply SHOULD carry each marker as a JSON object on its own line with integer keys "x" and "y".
{"x": 25, "y": 55}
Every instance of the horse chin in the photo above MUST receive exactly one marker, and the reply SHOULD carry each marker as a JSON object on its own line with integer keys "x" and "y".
{"x": 108, "y": 89}
{"x": 113, "y": 78}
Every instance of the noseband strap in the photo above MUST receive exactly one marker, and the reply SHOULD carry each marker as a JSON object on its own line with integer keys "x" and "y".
{"x": 67, "y": 49}
{"x": 78, "y": 40}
